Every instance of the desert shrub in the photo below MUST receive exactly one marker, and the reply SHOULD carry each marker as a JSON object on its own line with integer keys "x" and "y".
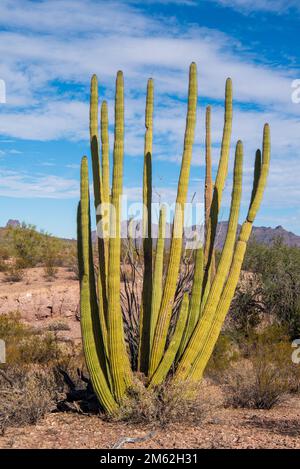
{"x": 51, "y": 253}
{"x": 167, "y": 403}
{"x": 59, "y": 326}
{"x": 25, "y": 345}
{"x": 12, "y": 327}
{"x": 30, "y": 248}
{"x": 70, "y": 260}
{"x": 263, "y": 380}
{"x": 5, "y": 252}
{"x": 246, "y": 311}
{"x": 27, "y": 394}
{"x": 14, "y": 272}
{"x": 4, "y": 256}
{"x": 26, "y": 244}
{"x": 225, "y": 353}
{"x": 278, "y": 267}
{"x": 39, "y": 349}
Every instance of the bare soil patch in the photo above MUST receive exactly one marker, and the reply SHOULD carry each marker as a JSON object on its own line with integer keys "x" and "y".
{"x": 229, "y": 428}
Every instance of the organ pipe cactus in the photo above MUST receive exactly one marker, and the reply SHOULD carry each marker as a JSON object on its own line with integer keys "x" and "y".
{"x": 172, "y": 345}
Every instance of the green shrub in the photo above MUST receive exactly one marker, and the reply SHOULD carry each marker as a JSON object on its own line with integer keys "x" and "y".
{"x": 246, "y": 311}
{"x": 225, "y": 353}
{"x": 51, "y": 252}
{"x": 26, "y": 244}
{"x": 278, "y": 267}
{"x": 25, "y": 345}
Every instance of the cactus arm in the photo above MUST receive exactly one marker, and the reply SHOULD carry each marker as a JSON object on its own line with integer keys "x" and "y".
{"x": 158, "y": 272}
{"x": 170, "y": 354}
{"x": 89, "y": 319}
{"x": 221, "y": 274}
{"x": 208, "y": 192}
{"x": 195, "y": 302}
{"x": 147, "y": 235}
{"x": 97, "y": 182}
{"x": 163, "y": 322}
{"x": 119, "y": 360}
{"x": 218, "y": 188}
{"x": 105, "y": 174}
{"x": 239, "y": 254}
{"x": 94, "y": 140}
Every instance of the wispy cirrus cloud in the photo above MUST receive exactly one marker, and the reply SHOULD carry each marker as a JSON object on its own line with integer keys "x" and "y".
{"x": 273, "y": 6}
{"x": 24, "y": 185}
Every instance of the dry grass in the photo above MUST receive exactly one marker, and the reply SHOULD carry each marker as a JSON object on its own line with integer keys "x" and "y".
{"x": 27, "y": 394}
{"x": 257, "y": 385}
{"x": 168, "y": 403}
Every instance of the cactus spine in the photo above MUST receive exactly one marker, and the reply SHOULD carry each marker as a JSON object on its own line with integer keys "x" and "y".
{"x": 203, "y": 309}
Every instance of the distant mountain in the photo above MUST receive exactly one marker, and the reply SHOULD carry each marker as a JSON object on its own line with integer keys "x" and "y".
{"x": 13, "y": 223}
{"x": 262, "y": 234}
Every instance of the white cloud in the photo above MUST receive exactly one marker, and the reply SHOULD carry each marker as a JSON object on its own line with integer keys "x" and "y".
{"x": 24, "y": 185}
{"x": 247, "y": 6}
{"x": 47, "y": 47}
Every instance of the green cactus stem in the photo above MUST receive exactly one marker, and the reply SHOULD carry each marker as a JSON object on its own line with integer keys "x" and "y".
{"x": 170, "y": 354}
{"x": 222, "y": 271}
{"x": 119, "y": 361}
{"x": 164, "y": 317}
{"x": 145, "y": 319}
{"x": 89, "y": 320}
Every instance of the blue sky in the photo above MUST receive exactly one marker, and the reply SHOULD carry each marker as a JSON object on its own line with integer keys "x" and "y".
{"x": 49, "y": 50}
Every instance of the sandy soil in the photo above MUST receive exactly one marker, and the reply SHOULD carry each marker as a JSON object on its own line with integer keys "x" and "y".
{"x": 228, "y": 428}
{"x": 41, "y": 302}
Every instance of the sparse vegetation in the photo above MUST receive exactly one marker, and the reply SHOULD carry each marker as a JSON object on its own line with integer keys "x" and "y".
{"x": 167, "y": 403}
{"x": 278, "y": 270}
{"x": 51, "y": 252}
{"x": 27, "y": 394}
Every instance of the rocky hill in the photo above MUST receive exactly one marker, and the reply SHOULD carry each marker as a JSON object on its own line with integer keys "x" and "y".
{"x": 262, "y": 234}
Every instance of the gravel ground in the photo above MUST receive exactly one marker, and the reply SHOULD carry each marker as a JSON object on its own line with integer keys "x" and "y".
{"x": 227, "y": 428}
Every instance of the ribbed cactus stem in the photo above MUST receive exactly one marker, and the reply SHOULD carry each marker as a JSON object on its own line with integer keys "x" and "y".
{"x": 94, "y": 140}
{"x": 163, "y": 322}
{"x": 116, "y": 344}
{"x": 89, "y": 319}
{"x": 195, "y": 302}
{"x": 221, "y": 274}
{"x": 97, "y": 183}
{"x": 239, "y": 254}
{"x": 147, "y": 232}
{"x": 218, "y": 187}
{"x": 105, "y": 177}
{"x": 170, "y": 354}
{"x": 158, "y": 272}
{"x": 208, "y": 192}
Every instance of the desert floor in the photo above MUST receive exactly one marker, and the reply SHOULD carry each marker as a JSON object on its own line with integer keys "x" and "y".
{"x": 228, "y": 428}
